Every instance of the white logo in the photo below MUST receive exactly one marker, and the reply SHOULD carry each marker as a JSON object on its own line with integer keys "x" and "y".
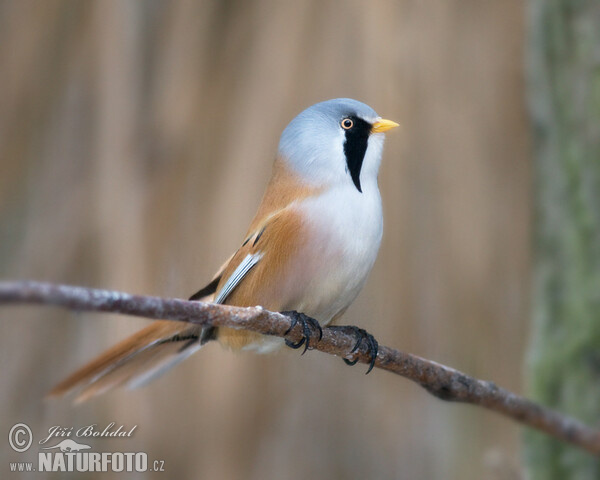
{"x": 20, "y": 437}
{"x": 70, "y": 456}
{"x": 69, "y": 445}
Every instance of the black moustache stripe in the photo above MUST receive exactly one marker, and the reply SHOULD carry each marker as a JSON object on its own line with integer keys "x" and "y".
{"x": 355, "y": 146}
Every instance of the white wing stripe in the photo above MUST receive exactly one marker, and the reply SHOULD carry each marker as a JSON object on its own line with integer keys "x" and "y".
{"x": 240, "y": 272}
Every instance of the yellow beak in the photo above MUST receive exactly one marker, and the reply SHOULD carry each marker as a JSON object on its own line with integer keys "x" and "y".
{"x": 383, "y": 125}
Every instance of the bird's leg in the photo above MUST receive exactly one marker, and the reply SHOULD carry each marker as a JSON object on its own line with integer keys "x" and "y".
{"x": 307, "y": 324}
{"x": 361, "y": 336}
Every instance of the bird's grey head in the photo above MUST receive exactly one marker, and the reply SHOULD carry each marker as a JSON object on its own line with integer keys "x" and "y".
{"x": 335, "y": 142}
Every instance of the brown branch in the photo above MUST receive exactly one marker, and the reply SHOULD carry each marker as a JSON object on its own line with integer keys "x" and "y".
{"x": 443, "y": 382}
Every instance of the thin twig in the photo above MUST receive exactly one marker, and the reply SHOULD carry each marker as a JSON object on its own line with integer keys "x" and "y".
{"x": 443, "y": 382}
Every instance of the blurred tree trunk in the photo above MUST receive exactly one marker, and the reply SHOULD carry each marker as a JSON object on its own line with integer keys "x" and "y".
{"x": 564, "y": 93}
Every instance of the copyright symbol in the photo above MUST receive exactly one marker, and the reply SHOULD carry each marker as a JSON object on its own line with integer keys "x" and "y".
{"x": 20, "y": 437}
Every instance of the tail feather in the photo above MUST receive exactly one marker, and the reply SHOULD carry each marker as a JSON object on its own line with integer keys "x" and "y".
{"x": 145, "y": 354}
{"x": 163, "y": 365}
{"x": 142, "y": 368}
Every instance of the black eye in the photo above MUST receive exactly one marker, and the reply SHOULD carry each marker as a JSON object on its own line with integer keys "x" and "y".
{"x": 347, "y": 124}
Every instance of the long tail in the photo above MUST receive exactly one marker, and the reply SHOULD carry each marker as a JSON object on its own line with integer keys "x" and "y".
{"x": 135, "y": 361}
{"x": 140, "y": 358}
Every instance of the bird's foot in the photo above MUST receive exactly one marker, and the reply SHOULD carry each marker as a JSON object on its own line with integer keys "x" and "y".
{"x": 308, "y": 325}
{"x": 361, "y": 336}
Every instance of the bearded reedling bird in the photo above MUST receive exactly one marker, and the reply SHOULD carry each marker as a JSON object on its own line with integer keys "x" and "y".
{"x": 309, "y": 249}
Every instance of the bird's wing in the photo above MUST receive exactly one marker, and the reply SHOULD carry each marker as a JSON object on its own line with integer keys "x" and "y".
{"x": 237, "y": 276}
{"x": 205, "y": 294}
{"x": 262, "y": 271}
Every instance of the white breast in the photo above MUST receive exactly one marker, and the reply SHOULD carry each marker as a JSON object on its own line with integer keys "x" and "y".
{"x": 345, "y": 228}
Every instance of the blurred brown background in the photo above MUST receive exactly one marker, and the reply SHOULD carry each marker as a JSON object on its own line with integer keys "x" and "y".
{"x": 136, "y": 138}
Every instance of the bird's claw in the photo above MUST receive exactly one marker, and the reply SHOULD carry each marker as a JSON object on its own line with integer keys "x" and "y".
{"x": 361, "y": 336}
{"x": 308, "y": 324}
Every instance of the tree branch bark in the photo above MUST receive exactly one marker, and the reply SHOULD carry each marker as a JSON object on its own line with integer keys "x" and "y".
{"x": 444, "y": 382}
